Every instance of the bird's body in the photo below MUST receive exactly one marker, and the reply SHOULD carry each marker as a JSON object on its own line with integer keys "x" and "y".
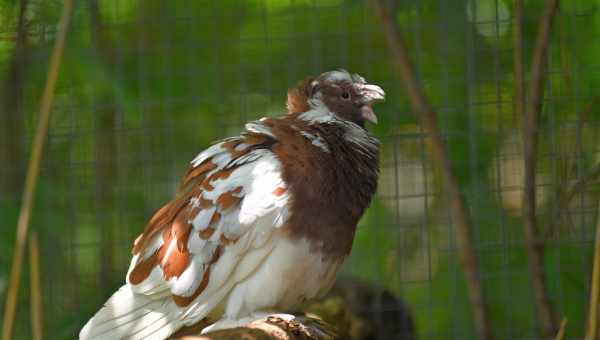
{"x": 262, "y": 221}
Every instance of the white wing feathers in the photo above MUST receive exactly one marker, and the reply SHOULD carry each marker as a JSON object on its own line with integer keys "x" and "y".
{"x": 198, "y": 246}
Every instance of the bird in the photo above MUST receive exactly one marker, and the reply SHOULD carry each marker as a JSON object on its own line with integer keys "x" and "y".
{"x": 261, "y": 222}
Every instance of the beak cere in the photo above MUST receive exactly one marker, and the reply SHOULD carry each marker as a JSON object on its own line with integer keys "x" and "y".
{"x": 370, "y": 93}
{"x": 366, "y": 111}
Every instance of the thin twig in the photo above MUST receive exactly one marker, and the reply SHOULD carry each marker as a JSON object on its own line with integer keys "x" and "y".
{"x": 564, "y": 196}
{"x": 428, "y": 119}
{"x": 592, "y": 328}
{"x": 563, "y": 328}
{"x": 530, "y": 136}
{"x": 33, "y": 171}
{"x": 37, "y": 307}
{"x": 580, "y": 185}
{"x": 594, "y": 173}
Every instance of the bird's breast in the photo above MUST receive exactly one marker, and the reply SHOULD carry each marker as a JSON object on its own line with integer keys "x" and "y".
{"x": 289, "y": 275}
{"x": 329, "y": 192}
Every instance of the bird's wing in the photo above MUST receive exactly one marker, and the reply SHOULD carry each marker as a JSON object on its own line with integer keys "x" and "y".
{"x": 230, "y": 202}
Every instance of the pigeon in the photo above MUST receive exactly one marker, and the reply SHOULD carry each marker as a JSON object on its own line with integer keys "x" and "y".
{"x": 261, "y": 222}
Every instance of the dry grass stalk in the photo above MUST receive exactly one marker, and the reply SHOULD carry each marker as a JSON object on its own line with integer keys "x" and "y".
{"x": 33, "y": 171}
{"x": 561, "y": 331}
{"x": 37, "y": 306}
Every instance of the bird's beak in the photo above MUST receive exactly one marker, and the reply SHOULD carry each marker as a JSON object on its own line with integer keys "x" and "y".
{"x": 370, "y": 94}
{"x": 366, "y": 111}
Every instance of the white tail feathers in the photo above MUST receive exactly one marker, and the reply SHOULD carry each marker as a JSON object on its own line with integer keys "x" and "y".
{"x": 127, "y": 315}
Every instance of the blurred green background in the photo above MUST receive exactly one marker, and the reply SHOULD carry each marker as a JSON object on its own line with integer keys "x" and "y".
{"x": 146, "y": 85}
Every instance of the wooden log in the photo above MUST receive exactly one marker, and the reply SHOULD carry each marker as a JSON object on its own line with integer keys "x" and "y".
{"x": 354, "y": 310}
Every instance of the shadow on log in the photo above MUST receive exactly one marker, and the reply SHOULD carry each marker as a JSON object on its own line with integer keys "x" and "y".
{"x": 353, "y": 310}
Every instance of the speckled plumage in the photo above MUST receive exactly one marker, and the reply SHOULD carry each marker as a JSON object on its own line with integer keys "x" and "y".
{"x": 262, "y": 221}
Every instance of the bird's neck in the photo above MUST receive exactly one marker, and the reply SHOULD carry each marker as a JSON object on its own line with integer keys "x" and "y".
{"x": 332, "y": 186}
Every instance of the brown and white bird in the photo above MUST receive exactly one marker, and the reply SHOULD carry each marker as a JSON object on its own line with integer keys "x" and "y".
{"x": 261, "y": 223}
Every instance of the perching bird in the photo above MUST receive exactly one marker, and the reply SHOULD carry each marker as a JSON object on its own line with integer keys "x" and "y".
{"x": 261, "y": 223}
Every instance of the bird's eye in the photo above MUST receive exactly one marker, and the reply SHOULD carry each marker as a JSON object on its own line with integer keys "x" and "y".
{"x": 345, "y": 95}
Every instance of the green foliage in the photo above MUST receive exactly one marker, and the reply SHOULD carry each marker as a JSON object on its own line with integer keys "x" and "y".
{"x": 145, "y": 85}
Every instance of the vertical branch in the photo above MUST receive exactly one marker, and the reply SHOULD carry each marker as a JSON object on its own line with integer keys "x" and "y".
{"x": 592, "y": 327}
{"x": 11, "y": 112}
{"x": 530, "y": 137}
{"x": 105, "y": 151}
{"x": 428, "y": 119}
{"x": 33, "y": 171}
{"x": 518, "y": 68}
{"x": 101, "y": 40}
{"x": 37, "y": 306}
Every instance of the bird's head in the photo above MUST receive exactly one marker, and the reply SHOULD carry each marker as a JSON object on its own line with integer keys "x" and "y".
{"x": 346, "y": 95}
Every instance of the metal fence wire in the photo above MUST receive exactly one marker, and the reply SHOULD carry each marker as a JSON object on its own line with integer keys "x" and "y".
{"x": 146, "y": 85}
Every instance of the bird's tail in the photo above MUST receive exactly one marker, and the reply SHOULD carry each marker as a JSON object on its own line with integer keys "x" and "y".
{"x": 129, "y": 315}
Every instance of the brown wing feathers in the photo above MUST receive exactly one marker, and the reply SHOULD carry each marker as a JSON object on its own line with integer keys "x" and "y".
{"x": 141, "y": 271}
{"x": 174, "y": 219}
{"x": 229, "y": 199}
{"x": 173, "y": 261}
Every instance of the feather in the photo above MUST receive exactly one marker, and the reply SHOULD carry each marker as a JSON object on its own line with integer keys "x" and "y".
{"x": 126, "y": 313}
{"x": 260, "y": 221}
{"x": 185, "y": 257}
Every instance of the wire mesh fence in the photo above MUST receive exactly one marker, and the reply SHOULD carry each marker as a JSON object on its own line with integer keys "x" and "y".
{"x": 146, "y": 85}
